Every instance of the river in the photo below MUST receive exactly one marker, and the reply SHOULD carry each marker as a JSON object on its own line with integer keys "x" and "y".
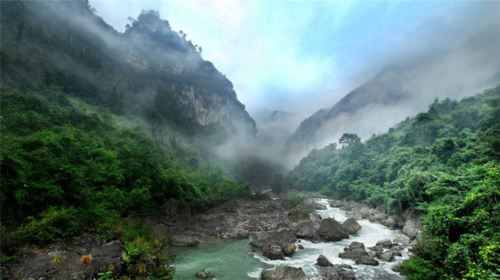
{"x": 235, "y": 259}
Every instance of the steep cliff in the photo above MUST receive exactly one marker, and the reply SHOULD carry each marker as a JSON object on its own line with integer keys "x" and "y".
{"x": 148, "y": 72}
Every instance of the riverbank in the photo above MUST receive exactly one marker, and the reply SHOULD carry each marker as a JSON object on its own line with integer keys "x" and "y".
{"x": 266, "y": 233}
{"x": 385, "y": 248}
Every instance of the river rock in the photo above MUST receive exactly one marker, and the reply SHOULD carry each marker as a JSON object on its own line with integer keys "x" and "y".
{"x": 340, "y": 274}
{"x": 331, "y": 230}
{"x": 377, "y": 218}
{"x": 351, "y": 225}
{"x": 355, "y": 254}
{"x": 259, "y": 239}
{"x": 356, "y": 245}
{"x": 386, "y": 243}
{"x": 335, "y": 203}
{"x": 323, "y": 261}
{"x": 391, "y": 222}
{"x": 273, "y": 252}
{"x": 365, "y": 259}
{"x": 283, "y": 273}
{"x": 205, "y": 274}
{"x": 305, "y": 230}
{"x": 318, "y": 206}
{"x": 402, "y": 240}
{"x": 183, "y": 240}
{"x": 387, "y": 256}
{"x": 268, "y": 241}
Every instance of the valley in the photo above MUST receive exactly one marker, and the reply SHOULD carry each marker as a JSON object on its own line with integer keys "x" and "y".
{"x": 127, "y": 154}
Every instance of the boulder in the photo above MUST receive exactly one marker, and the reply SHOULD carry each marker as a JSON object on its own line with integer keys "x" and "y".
{"x": 386, "y": 243}
{"x": 351, "y": 225}
{"x": 288, "y": 248}
{"x": 183, "y": 240}
{"x": 305, "y": 230}
{"x": 340, "y": 274}
{"x": 323, "y": 261}
{"x": 365, "y": 259}
{"x": 387, "y": 256}
{"x": 391, "y": 222}
{"x": 331, "y": 230}
{"x": 205, "y": 274}
{"x": 402, "y": 240}
{"x": 353, "y": 254}
{"x": 356, "y": 245}
{"x": 411, "y": 228}
{"x": 269, "y": 241}
{"x": 259, "y": 239}
{"x": 283, "y": 273}
{"x": 318, "y": 206}
{"x": 364, "y": 212}
{"x": 273, "y": 252}
{"x": 377, "y": 218}
{"x": 335, "y": 203}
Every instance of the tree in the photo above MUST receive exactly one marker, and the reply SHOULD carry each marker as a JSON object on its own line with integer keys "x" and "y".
{"x": 348, "y": 139}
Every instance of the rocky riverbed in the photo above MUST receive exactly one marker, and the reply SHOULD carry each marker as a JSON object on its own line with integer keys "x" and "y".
{"x": 327, "y": 243}
{"x": 321, "y": 239}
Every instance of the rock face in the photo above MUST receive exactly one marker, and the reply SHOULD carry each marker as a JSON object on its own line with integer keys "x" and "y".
{"x": 59, "y": 263}
{"x": 274, "y": 244}
{"x": 150, "y": 71}
{"x": 351, "y": 225}
{"x": 323, "y": 261}
{"x": 283, "y": 273}
{"x": 331, "y": 230}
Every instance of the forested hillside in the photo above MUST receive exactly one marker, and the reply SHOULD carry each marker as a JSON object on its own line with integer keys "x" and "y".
{"x": 442, "y": 165}
{"x": 99, "y": 129}
{"x": 149, "y": 72}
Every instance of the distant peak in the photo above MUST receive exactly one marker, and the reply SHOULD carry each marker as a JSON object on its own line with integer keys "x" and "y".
{"x": 149, "y": 20}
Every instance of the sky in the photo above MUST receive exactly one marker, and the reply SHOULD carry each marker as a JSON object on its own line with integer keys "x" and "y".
{"x": 305, "y": 55}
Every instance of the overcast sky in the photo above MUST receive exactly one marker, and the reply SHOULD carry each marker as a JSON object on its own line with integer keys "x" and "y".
{"x": 291, "y": 55}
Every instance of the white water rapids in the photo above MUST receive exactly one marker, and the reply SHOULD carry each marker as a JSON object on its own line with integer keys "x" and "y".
{"x": 235, "y": 259}
{"x": 369, "y": 235}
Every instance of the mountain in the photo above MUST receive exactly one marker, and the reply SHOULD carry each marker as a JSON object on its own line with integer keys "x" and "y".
{"x": 441, "y": 166}
{"x": 149, "y": 72}
{"x": 402, "y": 90}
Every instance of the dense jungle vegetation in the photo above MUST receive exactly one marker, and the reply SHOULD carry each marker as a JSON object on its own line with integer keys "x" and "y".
{"x": 66, "y": 173}
{"x": 442, "y": 165}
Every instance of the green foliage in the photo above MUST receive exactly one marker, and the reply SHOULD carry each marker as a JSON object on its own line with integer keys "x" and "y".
{"x": 293, "y": 199}
{"x": 418, "y": 269}
{"x": 65, "y": 173}
{"x": 442, "y": 165}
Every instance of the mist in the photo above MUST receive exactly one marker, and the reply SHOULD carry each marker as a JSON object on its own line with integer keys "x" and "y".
{"x": 308, "y": 56}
